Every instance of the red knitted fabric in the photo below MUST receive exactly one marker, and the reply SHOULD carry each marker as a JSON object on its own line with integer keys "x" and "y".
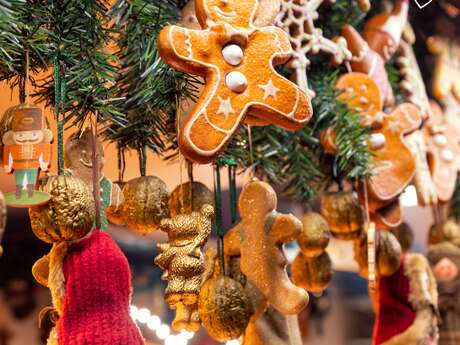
{"x": 394, "y": 312}
{"x": 98, "y": 292}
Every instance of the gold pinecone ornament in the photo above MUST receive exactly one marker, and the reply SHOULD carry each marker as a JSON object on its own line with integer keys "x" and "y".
{"x": 224, "y": 308}
{"x": 189, "y": 197}
{"x": 70, "y": 213}
{"x": 145, "y": 204}
{"x": 343, "y": 213}
{"x": 2, "y": 220}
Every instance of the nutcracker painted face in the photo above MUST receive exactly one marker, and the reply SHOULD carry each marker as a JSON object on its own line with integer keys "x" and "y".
{"x": 28, "y": 137}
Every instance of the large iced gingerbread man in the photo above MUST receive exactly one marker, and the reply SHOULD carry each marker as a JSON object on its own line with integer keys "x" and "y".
{"x": 259, "y": 239}
{"x": 237, "y": 61}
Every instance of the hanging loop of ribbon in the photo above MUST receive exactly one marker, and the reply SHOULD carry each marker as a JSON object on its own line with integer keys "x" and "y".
{"x": 59, "y": 110}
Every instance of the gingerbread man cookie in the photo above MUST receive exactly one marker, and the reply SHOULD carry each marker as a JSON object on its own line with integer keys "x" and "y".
{"x": 237, "y": 61}
{"x": 259, "y": 239}
{"x": 446, "y": 78}
{"x": 393, "y": 164}
{"x": 443, "y": 148}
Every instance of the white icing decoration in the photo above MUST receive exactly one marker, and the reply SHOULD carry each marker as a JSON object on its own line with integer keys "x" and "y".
{"x": 440, "y": 140}
{"x": 447, "y": 155}
{"x": 222, "y": 13}
{"x": 225, "y": 107}
{"x": 377, "y": 141}
{"x": 233, "y": 54}
{"x": 236, "y": 81}
{"x": 270, "y": 90}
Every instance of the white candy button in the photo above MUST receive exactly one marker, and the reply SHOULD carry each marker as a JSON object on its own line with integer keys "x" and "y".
{"x": 233, "y": 54}
{"x": 236, "y": 81}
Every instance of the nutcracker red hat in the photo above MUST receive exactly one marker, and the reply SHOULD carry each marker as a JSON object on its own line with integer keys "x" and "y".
{"x": 97, "y": 295}
{"x": 28, "y": 118}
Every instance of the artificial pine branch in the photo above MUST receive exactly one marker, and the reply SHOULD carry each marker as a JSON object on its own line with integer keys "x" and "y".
{"x": 78, "y": 38}
{"x": 151, "y": 89}
{"x": 21, "y": 33}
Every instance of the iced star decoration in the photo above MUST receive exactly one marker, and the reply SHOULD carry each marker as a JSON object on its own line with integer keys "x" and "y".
{"x": 236, "y": 59}
{"x": 297, "y": 18}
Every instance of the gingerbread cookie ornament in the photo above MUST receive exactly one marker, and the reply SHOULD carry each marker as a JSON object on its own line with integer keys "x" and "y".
{"x": 442, "y": 149}
{"x": 237, "y": 61}
{"x": 259, "y": 239}
{"x": 446, "y": 79}
{"x": 393, "y": 164}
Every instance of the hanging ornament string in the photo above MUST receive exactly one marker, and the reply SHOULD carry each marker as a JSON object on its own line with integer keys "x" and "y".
{"x": 59, "y": 102}
{"x": 96, "y": 173}
{"x": 219, "y": 219}
{"x": 121, "y": 163}
{"x": 142, "y": 152}
{"x": 232, "y": 191}
{"x": 24, "y": 80}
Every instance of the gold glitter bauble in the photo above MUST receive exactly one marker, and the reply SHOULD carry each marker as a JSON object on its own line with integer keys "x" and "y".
{"x": 343, "y": 213}
{"x": 181, "y": 198}
{"x": 315, "y": 234}
{"x": 2, "y": 219}
{"x": 312, "y": 273}
{"x": 145, "y": 204}
{"x": 70, "y": 213}
{"x": 387, "y": 254}
{"x": 114, "y": 213}
{"x": 224, "y": 308}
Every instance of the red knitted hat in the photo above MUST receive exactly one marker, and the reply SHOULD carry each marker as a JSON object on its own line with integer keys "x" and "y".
{"x": 97, "y": 297}
{"x": 394, "y": 311}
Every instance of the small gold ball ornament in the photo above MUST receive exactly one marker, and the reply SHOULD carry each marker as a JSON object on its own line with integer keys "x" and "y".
{"x": 70, "y": 213}
{"x": 312, "y": 273}
{"x": 315, "y": 234}
{"x": 189, "y": 197}
{"x": 343, "y": 213}
{"x": 224, "y": 308}
{"x": 114, "y": 213}
{"x": 2, "y": 220}
{"x": 145, "y": 204}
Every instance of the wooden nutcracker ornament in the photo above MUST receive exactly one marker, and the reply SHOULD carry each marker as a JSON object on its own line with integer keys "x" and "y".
{"x": 237, "y": 61}
{"x": 183, "y": 264}
{"x": 78, "y": 162}
{"x": 259, "y": 239}
{"x": 26, "y": 151}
